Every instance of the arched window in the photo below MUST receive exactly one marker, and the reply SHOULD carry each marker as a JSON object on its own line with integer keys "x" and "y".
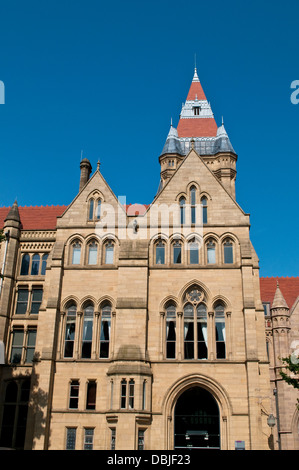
{"x": 91, "y": 209}
{"x": 177, "y": 252}
{"x": 182, "y": 210}
{"x": 160, "y": 252}
{"x": 228, "y": 251}
{"x": 170, "y": 331}
{"x": 98, "y": 209}
{"x": 193, "y": 204}
{"x": 87, "y": 331}
{"x": 105, "y": 331}
{"x": 211, "y": 252}
{"x": 204, "y": 204}
{"x": 202, "y": 339}
{"x": 35, "y": 265}
{"x": 188, "y": 332}
{"x": 92, "y": 252}
{"x": 220, "y": 331}
{"x": 123, "y": 393}
{"x": 25, "y": 265}
{"x": 131, "y": 393}
{"x": 109, "y": 252}
{"x": 44, "y": 264}
{"x": 76, "y": 252}
{"x": 193, "y": 251}
{"x": 70, "y": 329}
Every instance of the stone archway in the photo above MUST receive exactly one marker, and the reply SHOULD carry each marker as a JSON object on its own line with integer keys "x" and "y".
{"x": 196, "y": 420}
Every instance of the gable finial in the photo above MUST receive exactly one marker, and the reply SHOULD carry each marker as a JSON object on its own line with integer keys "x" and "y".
{"x": 98, "y": 165}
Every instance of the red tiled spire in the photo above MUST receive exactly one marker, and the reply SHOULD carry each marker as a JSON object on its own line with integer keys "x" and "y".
{"x": 202, "y": 124}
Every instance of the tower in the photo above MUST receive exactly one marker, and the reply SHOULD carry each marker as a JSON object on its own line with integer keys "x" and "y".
{"x": 197, "y": 128}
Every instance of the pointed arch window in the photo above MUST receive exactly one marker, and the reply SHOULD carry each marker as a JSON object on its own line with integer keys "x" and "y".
{"x": 35, "y": 265}
{"x": 160, "y": 252}
{"x": 25, "y": 265}
{"x": 70, "y": 329}
{"x": 188, "y": 332}
{"x": 220, "y": 331}
{"x": 228, "y": 251}
{"x": 109, "y": 252}
{"x": 193, "y": 251}
{"x": 211, "y": 252}
{"x": 204, "y": 204}
{"x": 44, "y": 264}
{"x": 76, "y": 252}
{"x": 193, "y": 204}
{"x": 98, "y": 209}
{"x": 92, "y": 252}
{"x": 87, "y": 331}
{"x": 182, "y": 210}
{"x": 91, "y": 209}
{"x": 202, "y": 339}
{"x": 170, "y": 331}
{"x": 177, "y": 252}
{"x": 105, "y": 331}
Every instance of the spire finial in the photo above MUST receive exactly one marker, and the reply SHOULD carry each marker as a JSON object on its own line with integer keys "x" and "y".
{"x": 171, "y": 122}
{"x": 222, "y": 120}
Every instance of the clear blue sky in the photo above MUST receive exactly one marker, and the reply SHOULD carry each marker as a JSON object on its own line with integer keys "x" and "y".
{"x": 107, "y": 77}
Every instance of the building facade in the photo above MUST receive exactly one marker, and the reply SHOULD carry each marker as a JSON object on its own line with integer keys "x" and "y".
{"x": 142, "y": 327}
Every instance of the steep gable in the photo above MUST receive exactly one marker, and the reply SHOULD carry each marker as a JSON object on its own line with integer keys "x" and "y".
{"x": 223, "y": 209}
{"x": 76, "y": 215}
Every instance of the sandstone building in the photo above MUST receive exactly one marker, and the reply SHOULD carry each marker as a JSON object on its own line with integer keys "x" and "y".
{"x": 143, "y": 327}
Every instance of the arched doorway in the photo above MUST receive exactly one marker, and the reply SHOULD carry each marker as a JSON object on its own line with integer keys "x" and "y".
{"x": 196, "y": 420}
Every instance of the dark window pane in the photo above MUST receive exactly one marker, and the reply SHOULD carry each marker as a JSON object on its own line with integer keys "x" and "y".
{"x": 37, "y": 296}
{"x": 177, "y": 253}
{"x": 35, "y": 265}
{"x": 194, "y": 257}
{"x": 228, "y": 253}
{"x": 91, "y": 395}
{"x": 160, "y": 253}
{"x": 22, "y": 302}
{"x": 25, "y": 265}
{"x": 44, "y": 264}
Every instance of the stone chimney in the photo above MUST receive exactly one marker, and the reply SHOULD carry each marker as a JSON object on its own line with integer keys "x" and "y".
{"x": 85, "y": 168}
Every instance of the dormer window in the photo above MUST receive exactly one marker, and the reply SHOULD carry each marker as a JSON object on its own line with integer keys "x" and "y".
{"x": 196, "y": 110}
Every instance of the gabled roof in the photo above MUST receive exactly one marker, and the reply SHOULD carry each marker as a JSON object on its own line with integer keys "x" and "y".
{"x": 289, "y": 287}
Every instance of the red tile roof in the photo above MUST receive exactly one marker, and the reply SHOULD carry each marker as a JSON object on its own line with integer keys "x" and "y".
{"x": 35, "y": 217}
{"x": 196, "y": 92}
{"x": 44, "y": 217}
{"x": 289, "y": 287}
{"x": 197, "y": 127}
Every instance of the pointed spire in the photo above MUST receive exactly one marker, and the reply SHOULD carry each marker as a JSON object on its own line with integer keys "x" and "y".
{"x": 195, "y": 77}
{"x": 13, "y": 214}
{"x": 196, "y": 118}
{"x": 279, "y": 300}
{"x": 172, "y": 144}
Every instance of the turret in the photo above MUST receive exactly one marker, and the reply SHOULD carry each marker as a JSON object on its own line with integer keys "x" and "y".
{"x": 171, "y": 156}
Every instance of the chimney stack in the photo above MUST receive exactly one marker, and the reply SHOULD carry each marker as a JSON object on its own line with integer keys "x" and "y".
{"x": 85, "y": 168}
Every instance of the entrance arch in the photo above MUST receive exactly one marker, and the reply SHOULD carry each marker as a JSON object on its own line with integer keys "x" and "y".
{"x": 196, "y": 420}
